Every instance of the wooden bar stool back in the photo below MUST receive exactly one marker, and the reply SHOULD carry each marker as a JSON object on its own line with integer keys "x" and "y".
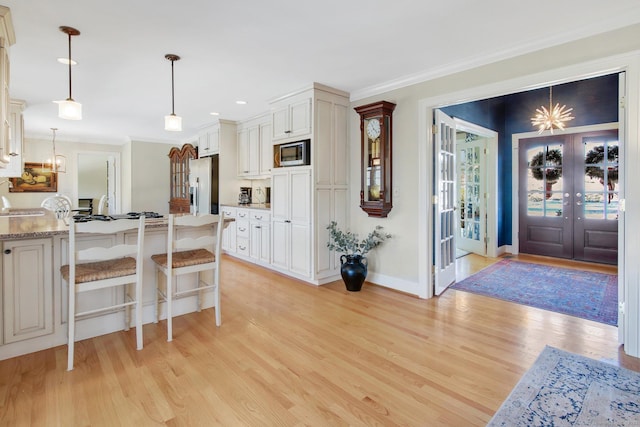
{"x": 99, "y": 267}
{"x": 193, "y": 246}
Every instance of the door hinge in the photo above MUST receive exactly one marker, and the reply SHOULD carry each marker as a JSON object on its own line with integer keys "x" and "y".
{"x": 485, "y": 151}
{"x": 622, "y": 102}
{"x": 434, "y": 129}
{"x": 622, "y": 205}
{"x": 434, "y": 199}
{"x": 621, "y": 307}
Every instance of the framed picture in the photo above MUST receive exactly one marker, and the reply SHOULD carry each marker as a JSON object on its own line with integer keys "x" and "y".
{"x": 36, "y": 177}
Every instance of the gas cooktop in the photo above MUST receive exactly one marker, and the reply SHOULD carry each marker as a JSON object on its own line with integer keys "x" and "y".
{"x": 129, "y": 215}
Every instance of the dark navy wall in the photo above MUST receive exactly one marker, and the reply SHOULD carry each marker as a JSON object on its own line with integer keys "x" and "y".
{"x": 593, "y": 101}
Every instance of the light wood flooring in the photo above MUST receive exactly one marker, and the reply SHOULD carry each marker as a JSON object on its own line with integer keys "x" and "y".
{"x": 291, "y": 354}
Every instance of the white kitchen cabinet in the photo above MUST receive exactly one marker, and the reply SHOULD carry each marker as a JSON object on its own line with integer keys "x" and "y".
{"x": 249, "y": 151}
{"x": 7, "y": 38}
{"x": 260, "y": 239}
{"x": 243, "y": 233}
{"x": 291, "y": 220}
{"x": 291, "y": 118}
{"x": 255, "y": 150}
{"x": 229, "y": 233}
{"x": 28, "y": 289}
{"x": 16, "y": 131}
{"x": 266, "y": 150}
{"x": 209, "y": 141}
{"x": 301, "y": 248}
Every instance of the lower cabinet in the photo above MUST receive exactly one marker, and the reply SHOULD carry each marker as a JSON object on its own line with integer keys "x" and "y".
{"x": 249, "y": 236}
{"x": 229, "y": 233}
{"x": 27, "y": 287}
{"x": 260, "y": 227}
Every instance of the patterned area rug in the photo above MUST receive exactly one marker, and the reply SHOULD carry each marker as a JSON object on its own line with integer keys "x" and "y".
{"x": 592, "y": 296}
{"x": 564, "y": 389}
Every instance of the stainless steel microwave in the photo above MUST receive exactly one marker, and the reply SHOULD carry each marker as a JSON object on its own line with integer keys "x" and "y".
{"x": 295, "y": 153}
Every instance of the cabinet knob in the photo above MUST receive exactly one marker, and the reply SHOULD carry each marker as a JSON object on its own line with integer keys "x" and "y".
{"x": 7, "y": 251}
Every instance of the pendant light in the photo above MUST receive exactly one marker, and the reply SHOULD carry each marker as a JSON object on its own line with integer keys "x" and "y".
{"x": 69, "y": 109}
{"x": 554, "y": 117}
{"x": 57, "y": 163}
{"x": 172, "y": 122}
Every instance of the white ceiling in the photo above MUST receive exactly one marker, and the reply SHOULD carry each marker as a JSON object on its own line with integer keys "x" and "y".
{"x": 258, "y": 50}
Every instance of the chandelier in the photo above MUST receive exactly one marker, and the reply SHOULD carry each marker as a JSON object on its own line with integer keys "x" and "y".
{"x": 554, "y": 117}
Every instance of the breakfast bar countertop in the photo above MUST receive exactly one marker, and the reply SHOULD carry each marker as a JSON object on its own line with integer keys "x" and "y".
{"x": 45, "y": 224}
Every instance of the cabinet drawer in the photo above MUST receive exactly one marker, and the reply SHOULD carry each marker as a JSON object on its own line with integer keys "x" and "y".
{"x": 242, "y": 229}
{"x": 229, "y": 212}
{"x": 242, "y": 214}
{"x": 260, "y": 215}
{"x": 242, "y": 246}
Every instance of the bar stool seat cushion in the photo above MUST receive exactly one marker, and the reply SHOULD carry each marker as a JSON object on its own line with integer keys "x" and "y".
{"x": 185, "y": 258}
{"x": 100, "y": 270}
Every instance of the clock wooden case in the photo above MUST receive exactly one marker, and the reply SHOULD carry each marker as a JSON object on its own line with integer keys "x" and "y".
{"x": 376, "y": 123}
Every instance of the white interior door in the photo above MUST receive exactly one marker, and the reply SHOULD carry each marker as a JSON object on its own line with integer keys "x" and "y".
{"x": 471, "y": 220}
{"x": 444, "y": 201}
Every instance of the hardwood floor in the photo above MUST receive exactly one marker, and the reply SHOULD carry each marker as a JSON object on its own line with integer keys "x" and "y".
{"x": 290, "y": 354}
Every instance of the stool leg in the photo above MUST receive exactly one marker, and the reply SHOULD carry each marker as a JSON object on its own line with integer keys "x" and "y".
{"x": 72, "y": 327}
{"x": 127, "y": 309}
{"x": 156, "y": 306}
{"x": 169, "y": 306}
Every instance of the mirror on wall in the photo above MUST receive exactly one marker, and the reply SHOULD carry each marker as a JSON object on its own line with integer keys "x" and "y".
{"x": 96, "y": 178}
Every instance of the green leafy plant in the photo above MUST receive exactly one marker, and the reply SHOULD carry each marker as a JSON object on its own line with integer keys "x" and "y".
{"x": 350, "y": 244}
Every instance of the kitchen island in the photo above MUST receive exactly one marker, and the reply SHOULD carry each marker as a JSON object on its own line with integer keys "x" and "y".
{"x": 34, "y": 297}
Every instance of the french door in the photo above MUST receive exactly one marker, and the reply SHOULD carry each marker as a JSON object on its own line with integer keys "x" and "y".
{"x": 471, "y": 191}
{"x": 444, "y": 201}
{"x": 568, "y": 196}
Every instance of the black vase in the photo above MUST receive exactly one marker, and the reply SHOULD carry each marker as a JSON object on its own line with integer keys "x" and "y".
{"x": 353, "y": 270}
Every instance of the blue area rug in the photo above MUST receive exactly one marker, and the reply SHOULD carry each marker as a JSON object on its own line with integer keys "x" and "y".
{"x": 565, "y": 389}
{"x": 592, "y": 296}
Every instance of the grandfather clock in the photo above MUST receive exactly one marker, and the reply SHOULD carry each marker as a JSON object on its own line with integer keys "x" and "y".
{"x": 376, "y": 124}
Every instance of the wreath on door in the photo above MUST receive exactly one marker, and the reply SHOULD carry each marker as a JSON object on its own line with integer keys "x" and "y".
{"x": 549, "y": 167}
{"x": 595, "y": 157}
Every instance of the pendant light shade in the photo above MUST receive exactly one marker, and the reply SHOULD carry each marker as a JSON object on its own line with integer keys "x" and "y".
{"x": 172, "y": 122}
{"x": 69, "y": 109}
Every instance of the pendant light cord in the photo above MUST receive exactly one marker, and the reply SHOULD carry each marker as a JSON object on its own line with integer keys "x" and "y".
{"x": 172, "y": 92}
{"x": 70, "y": 98}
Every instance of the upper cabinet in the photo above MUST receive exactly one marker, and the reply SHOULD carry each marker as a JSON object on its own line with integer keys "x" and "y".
{"x": 16, "y": 132}
{"x": 211, "y": 138}
{"x": 7, "y": 38}
{"x": 291, "y": 117}
{"x": 255, "y": 150}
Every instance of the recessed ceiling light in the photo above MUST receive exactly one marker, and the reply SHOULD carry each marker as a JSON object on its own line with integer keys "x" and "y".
{"x": 215, "y": 113}
{"x": 241, "y": 102}
{"x": 65, "y": 61}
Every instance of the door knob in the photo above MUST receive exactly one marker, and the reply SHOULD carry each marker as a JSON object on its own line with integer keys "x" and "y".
{"x": 578, "y": 194}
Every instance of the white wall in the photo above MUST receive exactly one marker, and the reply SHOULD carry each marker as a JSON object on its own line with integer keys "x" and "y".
{"x": 149, "y": 171}
{"x": 38, "y": 150}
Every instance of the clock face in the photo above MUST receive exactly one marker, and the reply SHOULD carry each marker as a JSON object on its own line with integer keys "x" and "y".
{"x": 373, "y": 128}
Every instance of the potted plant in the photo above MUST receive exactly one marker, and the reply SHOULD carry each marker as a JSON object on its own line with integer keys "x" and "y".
{"x": 353, "y": 262}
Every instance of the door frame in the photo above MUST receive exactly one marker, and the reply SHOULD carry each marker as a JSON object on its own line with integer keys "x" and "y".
{"x": 515, "y": 169}
{"x": 491, "y": 185}
{"x": 629, "y": 327}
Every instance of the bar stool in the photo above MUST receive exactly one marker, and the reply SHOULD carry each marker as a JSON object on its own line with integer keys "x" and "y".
{"x": 187, "y": 254}
{"x": 96, "y": 268}
{"x": 61, "y": 205}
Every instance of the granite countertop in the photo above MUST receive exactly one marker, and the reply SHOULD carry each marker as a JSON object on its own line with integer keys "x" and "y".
{"x": 45, "y": 224}
{"x": 262, "y": 206}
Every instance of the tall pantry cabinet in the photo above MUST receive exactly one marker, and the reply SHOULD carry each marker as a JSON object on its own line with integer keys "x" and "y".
{"x": 305, "y": 199}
